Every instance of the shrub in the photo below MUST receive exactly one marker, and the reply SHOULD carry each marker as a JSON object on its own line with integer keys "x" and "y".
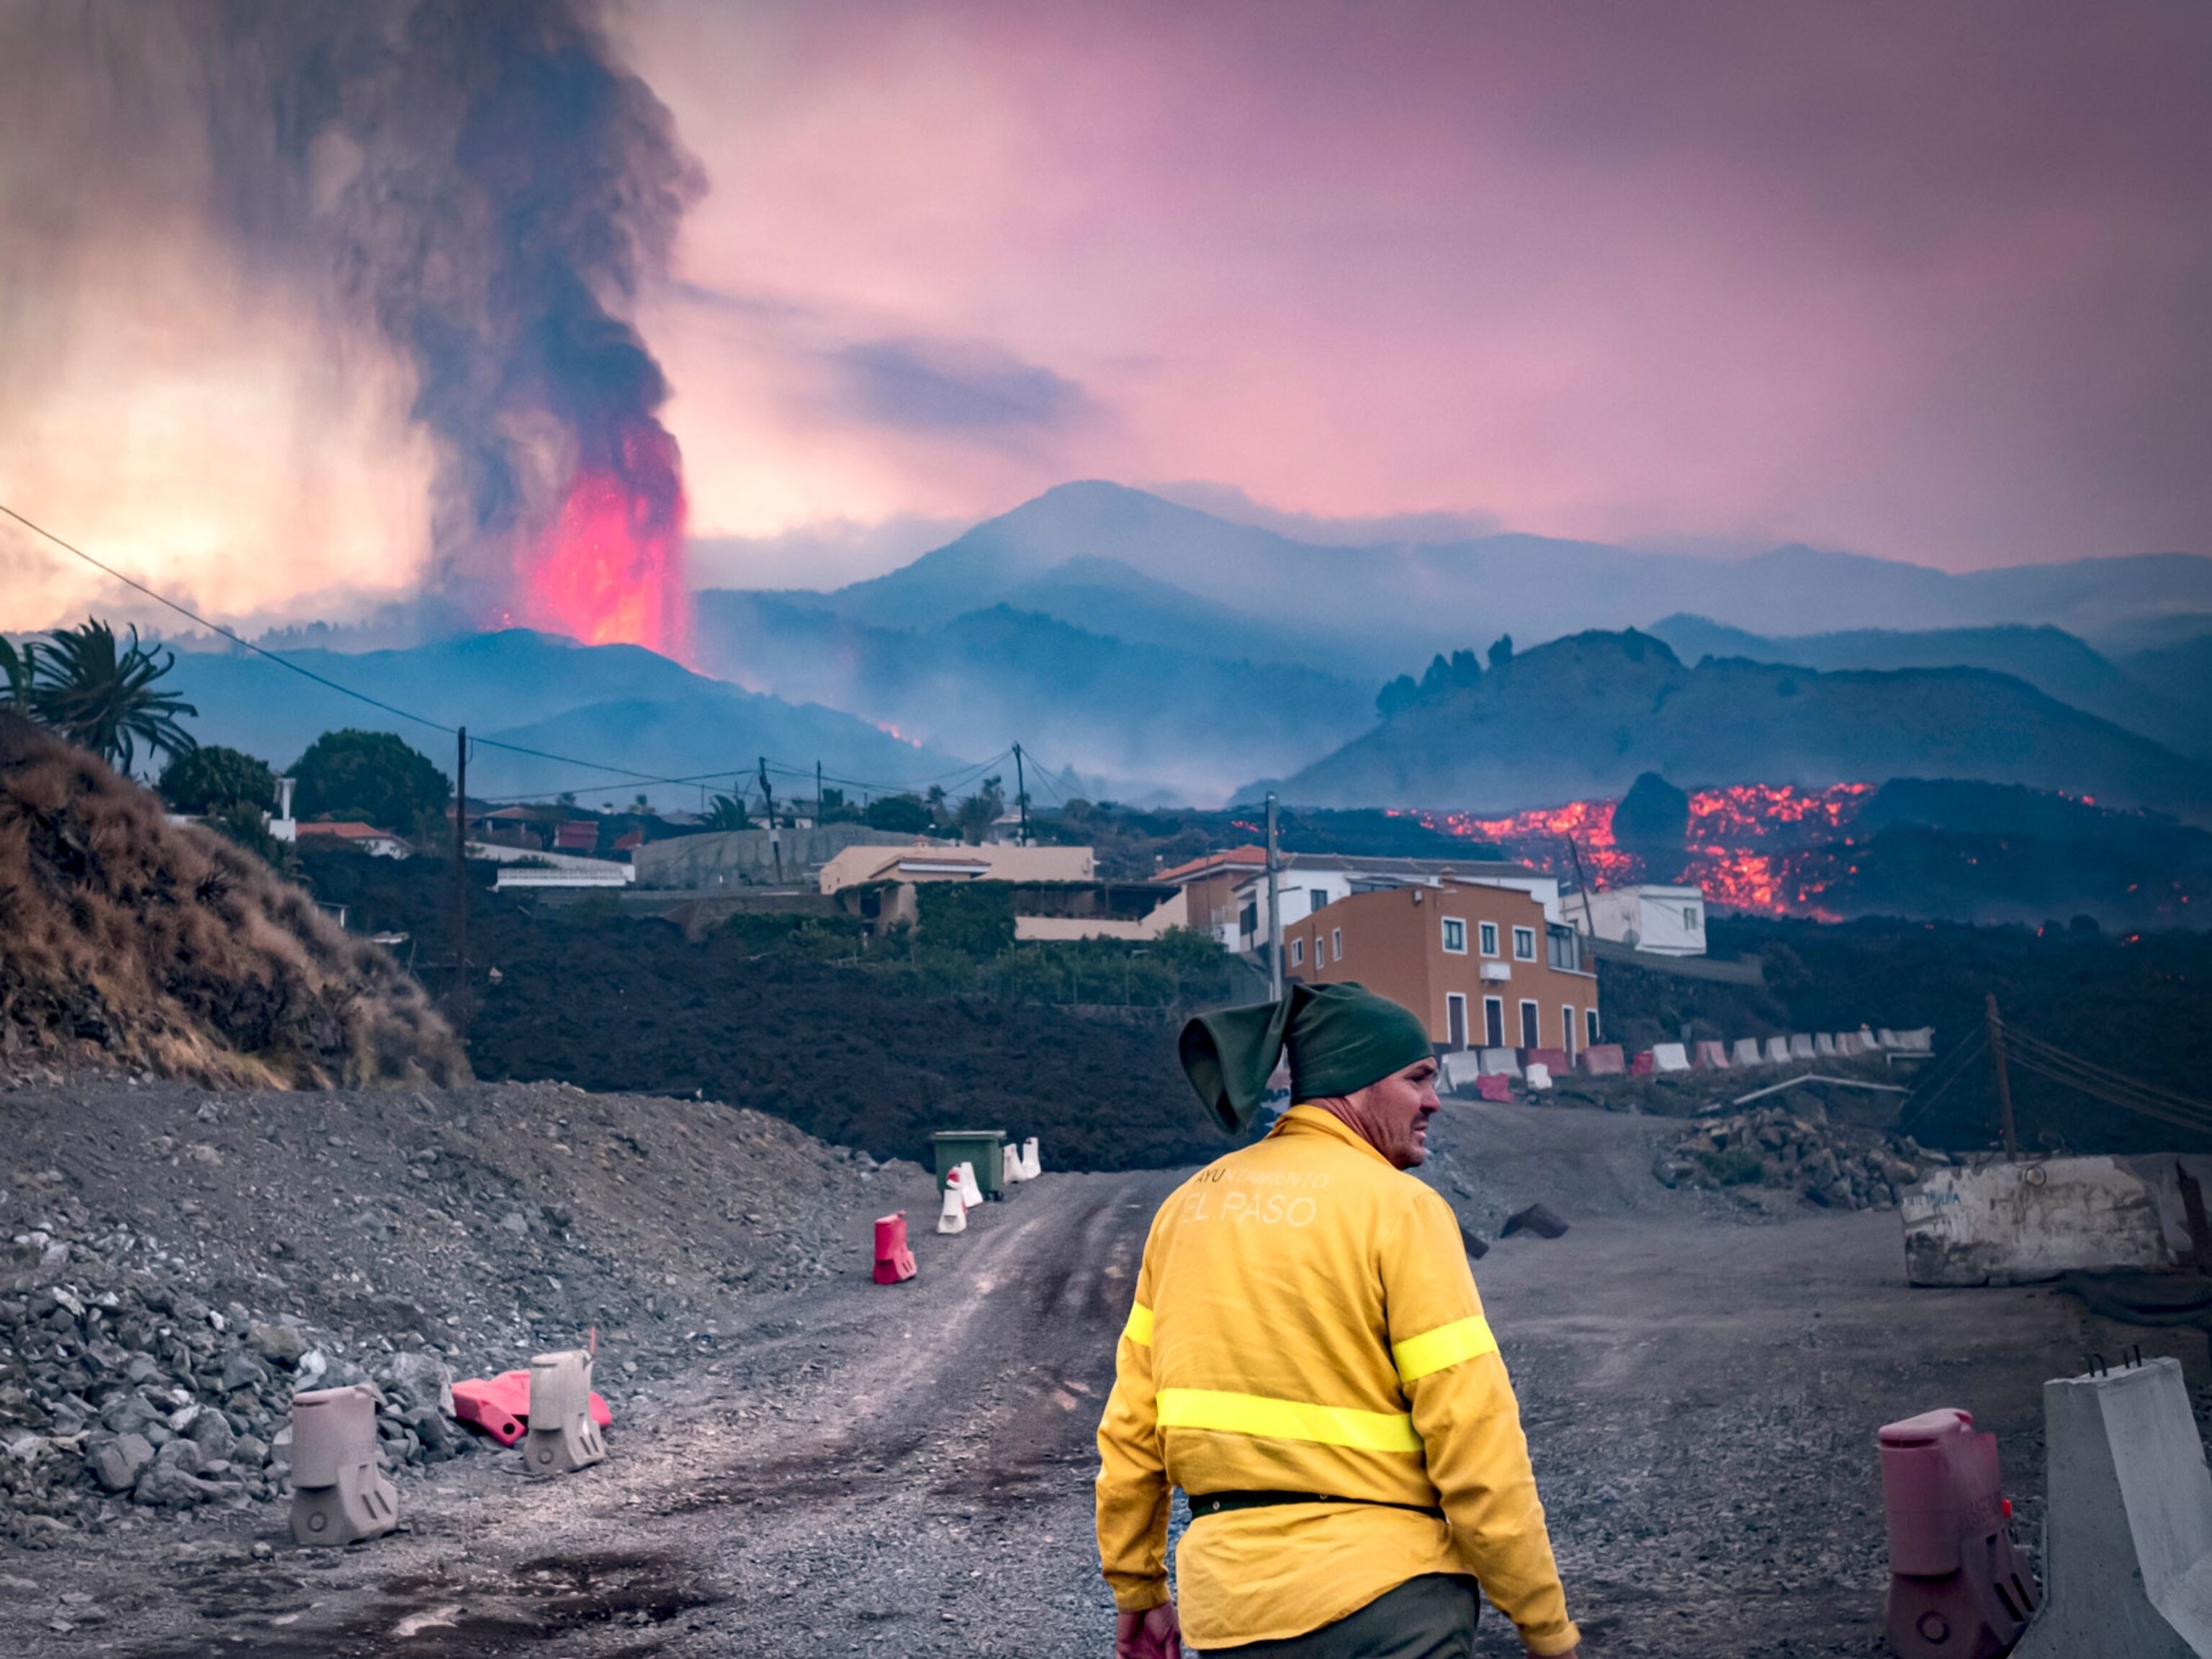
{"x": 209, "y": 779}
{"x": 372, "y": 776}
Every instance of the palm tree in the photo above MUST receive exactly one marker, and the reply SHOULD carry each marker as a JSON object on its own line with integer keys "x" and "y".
{"x": 18, "y": 670}
{"x": 105, "y": 697}
{"x": 728, "y": 813}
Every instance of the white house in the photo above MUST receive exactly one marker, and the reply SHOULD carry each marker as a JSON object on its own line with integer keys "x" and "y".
{"x": 1306, "y": 882}
{"x": 1669, "y": 921}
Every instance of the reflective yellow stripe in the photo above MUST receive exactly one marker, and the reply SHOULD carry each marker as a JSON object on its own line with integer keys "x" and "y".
{"x": 1286, "y": 1420}
{"x": 1139, "y": 1330}
{"x": 1446, "y": 1345}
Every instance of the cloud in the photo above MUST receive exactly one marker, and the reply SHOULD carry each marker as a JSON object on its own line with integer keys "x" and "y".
{"x": 956, "y": 388}
{"x": 823, "y": 554}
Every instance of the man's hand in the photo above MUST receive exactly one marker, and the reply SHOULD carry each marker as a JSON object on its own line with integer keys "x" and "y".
{"x": 1153, "y": 1634}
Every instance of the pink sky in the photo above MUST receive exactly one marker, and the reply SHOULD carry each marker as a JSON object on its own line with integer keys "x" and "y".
{"x": 1929, "y": 283}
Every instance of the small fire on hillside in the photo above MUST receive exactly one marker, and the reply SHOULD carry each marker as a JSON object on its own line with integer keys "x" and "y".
{"x": 1767, "y": 849}
{"x": 609, "y": 569}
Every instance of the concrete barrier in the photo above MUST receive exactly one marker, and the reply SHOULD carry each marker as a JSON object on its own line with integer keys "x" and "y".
{"x": 2127, "y": 1548}
{"x": 1884, "y": 1038}
{"x": 1919, "y": 1041}
{"x": 1669, "y": 1057}
{"x": 1847, "y": 1044}
{"x": 1746, "y": 1053}
{"x": 1601, "y": 1060}
{"x": 1460, "y": 1068}
{"x": 1777, "y": 1051}
{"x": 1710, "y": 1056}
{"x": 1824, "y": 1044}
{"x": 1552, "y": 1059}
{"x": 1499, "y": 1062}
{"x": 1537, "y": 1074}
{"x": 2020, "y": 1224}
{"x": 1800, "y": 1045}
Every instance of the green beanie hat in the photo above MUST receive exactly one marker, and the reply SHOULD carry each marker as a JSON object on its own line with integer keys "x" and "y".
{"x": 1340, "y": 1037}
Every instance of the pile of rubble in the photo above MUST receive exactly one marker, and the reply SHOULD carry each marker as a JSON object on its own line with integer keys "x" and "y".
{"x": 1795, "y": 1148}
{"x": 122, "y": 1391}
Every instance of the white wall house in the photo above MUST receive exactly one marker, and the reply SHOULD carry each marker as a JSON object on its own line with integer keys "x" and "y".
{"x": 1669, "y": 921}
{"x": 1306, "y": 882}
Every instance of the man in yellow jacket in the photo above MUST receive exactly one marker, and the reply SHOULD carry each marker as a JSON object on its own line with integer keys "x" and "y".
{"x": 1307, "y": 1359}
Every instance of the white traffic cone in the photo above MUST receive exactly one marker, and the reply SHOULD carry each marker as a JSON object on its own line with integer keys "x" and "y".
{"x": 1010, "y": 1166}
{"x": 971, "y": 1190}
{"x": 953, "y": 1217}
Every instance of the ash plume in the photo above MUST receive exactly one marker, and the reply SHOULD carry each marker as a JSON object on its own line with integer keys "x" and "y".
{"x": 483, "y": 184}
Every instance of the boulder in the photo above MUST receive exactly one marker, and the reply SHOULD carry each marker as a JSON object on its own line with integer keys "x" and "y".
{"x": 242, "y": 1371}
{"x": 1535, "y": 1220}
{"x": 281, "y": 1344}
{"x": 418, "y": 1379}
{"x": 117, "y": 1463}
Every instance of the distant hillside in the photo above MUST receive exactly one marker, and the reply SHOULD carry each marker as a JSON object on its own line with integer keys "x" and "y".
{"x": 1127, "y": 564}
{"x": 615, "y": 704}
{"x": 2049, "y": 659}
{"x": 1582, "y": 716}
{"x": 2182, "y": 674}
{"x": 1140, "y": 717}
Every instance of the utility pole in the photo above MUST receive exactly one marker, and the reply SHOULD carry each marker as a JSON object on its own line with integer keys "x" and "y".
{"x": 767, "y": 802}
{"x": 1274, "y": 911}
{"x": 817, "y": 794}
{"x": 1582, "y": 885}
{"x": 461, "y": 885}
{"x": 2004, "y": 1080}
{"x": 1021, "y": 795}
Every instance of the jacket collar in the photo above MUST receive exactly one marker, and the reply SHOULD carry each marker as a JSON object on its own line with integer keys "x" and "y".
{"x": 1306, "y": 1119}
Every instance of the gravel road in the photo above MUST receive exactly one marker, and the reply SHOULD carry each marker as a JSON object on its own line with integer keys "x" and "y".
{"x": 861, "y": 1470}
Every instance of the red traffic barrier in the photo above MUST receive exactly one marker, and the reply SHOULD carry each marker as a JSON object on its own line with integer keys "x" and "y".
{"x": 500, "y": 1405}
{"x": 1956, "y": 1591}
{"x": 894, "y": 1261}
{"x": 1642, "y": 1063}
{"x": 1495, "y": 1086}
{"x": 1602, "y": 1059}
{"x": 1710, "y": 1056}
{"x": 1552, "y": 1059}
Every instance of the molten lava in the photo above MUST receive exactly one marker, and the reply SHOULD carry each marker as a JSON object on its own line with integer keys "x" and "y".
{"x": 1767, "y": 849}
{"x": 609, "y": 569}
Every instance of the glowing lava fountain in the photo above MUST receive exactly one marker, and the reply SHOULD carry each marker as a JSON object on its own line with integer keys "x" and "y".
{"x": 609, "y": 569}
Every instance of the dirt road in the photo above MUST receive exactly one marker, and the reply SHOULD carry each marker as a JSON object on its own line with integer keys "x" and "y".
{"x": 908, "y": 1471}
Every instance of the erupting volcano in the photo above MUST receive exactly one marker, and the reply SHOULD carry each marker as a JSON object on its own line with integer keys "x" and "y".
{"x": 609, "y": 569}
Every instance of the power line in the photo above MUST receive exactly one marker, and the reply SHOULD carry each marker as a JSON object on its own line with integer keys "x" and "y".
{"x": 967, "y": 771}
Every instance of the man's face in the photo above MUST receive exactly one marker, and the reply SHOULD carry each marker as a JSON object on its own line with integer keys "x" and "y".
{"x": 1393, "y": 1115}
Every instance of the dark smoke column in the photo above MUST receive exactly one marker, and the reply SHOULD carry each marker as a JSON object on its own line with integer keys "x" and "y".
{"x": 488, "y": 188}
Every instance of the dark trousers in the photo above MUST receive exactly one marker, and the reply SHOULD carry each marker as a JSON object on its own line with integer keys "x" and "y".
{"x": 1431, "y": 1617}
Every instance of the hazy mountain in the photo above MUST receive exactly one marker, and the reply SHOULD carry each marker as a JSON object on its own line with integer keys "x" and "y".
{"x": 2182, "y": 674}
{"x": 1136, "y": 716}
{"x": 1122, "y": 562}
{"x": 1584, "y": 715}
{"x": 618, "y": 706}
{"x": 2049, "y": 659}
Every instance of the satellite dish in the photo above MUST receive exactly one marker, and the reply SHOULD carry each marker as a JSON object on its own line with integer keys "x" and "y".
{"x": 1632, "y": 939}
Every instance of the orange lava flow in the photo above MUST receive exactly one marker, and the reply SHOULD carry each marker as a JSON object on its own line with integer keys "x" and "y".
{"x": 1767, "y": 849}
{"x": 609, "y": 569}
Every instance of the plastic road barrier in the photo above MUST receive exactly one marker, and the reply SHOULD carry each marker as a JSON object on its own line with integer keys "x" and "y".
{"x": 1601, "y": 1060}
{"x": 894, "y": 1261}
{"x": 964, "y": 1178}
{"x": 500, "y": 1405}
{"x": 977, "y": 1148}
{"x": 952, "y": 1214}
{"x": 337, "y": 1494}
{"x": 563, "y": 1437}
{"x": 1710, "y": 1056}
{"x": 1031, "y": 1168}
{"x": 1955, "y": 1587}
{"x": 1494, "y": 1087}
{"x": 1539, "y": 1075}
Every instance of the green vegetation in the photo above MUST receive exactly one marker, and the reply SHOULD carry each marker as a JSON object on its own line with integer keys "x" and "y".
{"x": 87, "y": 686}
{"x": 902, "y": 815}
{"x": 374, "y": 777}
{"x": 211, "y": 777}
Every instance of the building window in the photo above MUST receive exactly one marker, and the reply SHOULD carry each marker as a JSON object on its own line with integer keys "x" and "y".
{"x": 1524, "y": 944}
{"x": 1336, "y": 943}
{"x": 1567, "y": 1032}
{"x": 1590, "y": 1025}
{"x": 1316, "y": 898}
{"x": 1530, "y": 1036}
{"x": 1455, "y": 937}
{"x": 1298, "y": 952}
{"x": 1490, "y": 938}
{"x": 1493, "y": 1022}
{"x": 1455, "y": 1018}
{"x": 1690, "y": 918}
{"x": 1248, "y": 920}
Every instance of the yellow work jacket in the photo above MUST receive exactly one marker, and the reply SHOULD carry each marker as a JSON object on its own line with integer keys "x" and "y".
{"x": 1305, "y": 1321}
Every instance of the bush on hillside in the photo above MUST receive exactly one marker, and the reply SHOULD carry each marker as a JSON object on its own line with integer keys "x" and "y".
{"x": 132, "y": 941}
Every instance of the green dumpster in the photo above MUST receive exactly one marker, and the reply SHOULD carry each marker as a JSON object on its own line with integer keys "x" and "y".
{"x": 983, "y": 1148}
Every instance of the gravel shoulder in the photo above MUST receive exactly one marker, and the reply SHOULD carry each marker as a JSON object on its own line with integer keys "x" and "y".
{"x": 845, "y": 1468}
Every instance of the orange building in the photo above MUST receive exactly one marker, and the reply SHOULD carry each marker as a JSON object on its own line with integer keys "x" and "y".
{"x": 1478, "y": 963}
